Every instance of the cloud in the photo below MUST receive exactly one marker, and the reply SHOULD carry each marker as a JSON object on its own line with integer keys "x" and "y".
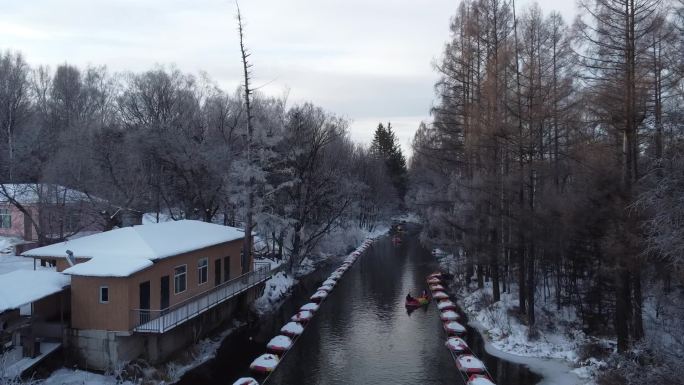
{"x": 360, "y": 59}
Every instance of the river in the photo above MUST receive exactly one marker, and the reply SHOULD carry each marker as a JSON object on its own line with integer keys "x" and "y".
{"x": 362, "y": 333}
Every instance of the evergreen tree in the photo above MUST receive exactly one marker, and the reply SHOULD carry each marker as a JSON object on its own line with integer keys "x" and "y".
{"x": 385, "y": 146}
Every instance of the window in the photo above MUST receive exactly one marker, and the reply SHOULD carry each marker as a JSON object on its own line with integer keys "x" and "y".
{"x": 179, "y": 279}
{"x": 226, "y": 269}
{"x": 104, "y": 294}
{"x": 202, "y": 271}
{"x": 5, "y": 219}
{"x": 72, "y": 221}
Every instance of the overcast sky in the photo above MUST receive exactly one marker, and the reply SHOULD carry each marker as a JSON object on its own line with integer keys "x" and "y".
{"x": 366, "y": 60}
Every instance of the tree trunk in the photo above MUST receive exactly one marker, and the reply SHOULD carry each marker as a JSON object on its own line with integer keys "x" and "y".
{"x": 622, "y": 314}
{"x": 638, "y": 324}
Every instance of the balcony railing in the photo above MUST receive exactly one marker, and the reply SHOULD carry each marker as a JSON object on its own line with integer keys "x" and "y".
{"x": 161, "y": 321}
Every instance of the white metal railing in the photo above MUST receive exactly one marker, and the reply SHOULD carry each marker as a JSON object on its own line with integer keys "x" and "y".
{"x": 160, "y": 321}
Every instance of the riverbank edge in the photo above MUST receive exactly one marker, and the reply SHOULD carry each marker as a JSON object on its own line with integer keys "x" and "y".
{"x": 554, "y": 371}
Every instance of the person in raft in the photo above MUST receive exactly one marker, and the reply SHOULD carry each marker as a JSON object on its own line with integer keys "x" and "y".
{"x": 424, "y": 294}
{"x": 408, "y": 297}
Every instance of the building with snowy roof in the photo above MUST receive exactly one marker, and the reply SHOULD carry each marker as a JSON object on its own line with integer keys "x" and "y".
{"x": 33, "y": 210}
{"x": 148, "y": 290}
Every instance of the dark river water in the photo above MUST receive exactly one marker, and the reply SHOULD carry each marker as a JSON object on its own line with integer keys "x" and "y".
{"x": 362, "y": 333}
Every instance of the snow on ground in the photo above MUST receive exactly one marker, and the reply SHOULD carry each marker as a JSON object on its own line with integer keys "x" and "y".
{"x": 201, "y": 352}
{"x": 508, "y": 334}
{"x": 277, "y": 288}
{"x": 345, "y": 239}
{"x": 149, "y": 218}
{"x": 339, "y": 242}
{"x": 6, "y": 245}
{"x": 307, "y": 266}
{"x": 553, "y": 371}
{"x": 275, "y": 263}
{"x": 447, "y": 262}
{"x": 552, "y": 353}
{"x": 408, "y": 218}
{"x": 79, "y": 377}
{"x": 171, "y": 372}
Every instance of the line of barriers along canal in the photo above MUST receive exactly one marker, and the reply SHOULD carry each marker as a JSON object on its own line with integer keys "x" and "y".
{"x": 278, "y": 347}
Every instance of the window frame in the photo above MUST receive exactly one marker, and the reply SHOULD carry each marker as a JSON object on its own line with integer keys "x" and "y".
{"x": 185, "y": 279}
{"x": 105, "y": 287}
{"x": 5, "y": 212}
{"x": 201, "y": 267}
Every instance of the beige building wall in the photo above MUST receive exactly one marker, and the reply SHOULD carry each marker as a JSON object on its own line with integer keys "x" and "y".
{"x": 88, "y": 313}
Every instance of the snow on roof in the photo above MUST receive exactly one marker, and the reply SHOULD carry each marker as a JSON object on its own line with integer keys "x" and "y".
{"x": 28, "y": 193}
{"x": 109, "y": 267}
{"x": 25, "y": 286}
{"x": 122, "y": 252}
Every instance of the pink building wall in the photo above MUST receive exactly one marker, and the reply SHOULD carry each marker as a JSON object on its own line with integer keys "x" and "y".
{"x": 89, "y": 222}
{"x": 17, "y": 229}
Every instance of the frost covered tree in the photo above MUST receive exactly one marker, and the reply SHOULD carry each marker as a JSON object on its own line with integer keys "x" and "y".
{"x": 312, "y": 183}
{"x": 15, "y": 106}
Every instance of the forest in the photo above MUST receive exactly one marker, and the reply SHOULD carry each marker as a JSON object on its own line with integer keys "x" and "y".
{"x": 554, "y": 167}
{"x": 175, "y": 145}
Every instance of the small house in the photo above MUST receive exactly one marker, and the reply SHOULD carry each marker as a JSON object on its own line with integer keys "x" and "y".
{"x": 148, "y": 291}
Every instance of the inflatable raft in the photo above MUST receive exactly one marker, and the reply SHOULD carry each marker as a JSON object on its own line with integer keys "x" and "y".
{"x": 446, "y": 305}
{"x": 449, "y": 315}
{"x": 246, "y": 381}
{"x": 302, "y": 316}
{"x": 439, "y": 295}
{"x": 327, "y": 288}
{"x": 418, "y": 302}
{"x": 292, "y": 329}
{"x": 453, "y": 327}
{"x": 457, "y": 345}
{"x": 468, "y": 363}
{"x": 319, "y": 296}
{"x": 265, "y": 363}
{"x": 279, "y": 344}
{"x": 311, "y": 306}
{"x": 479, "y": 379}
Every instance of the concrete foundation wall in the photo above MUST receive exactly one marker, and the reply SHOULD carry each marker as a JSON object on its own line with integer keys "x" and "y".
{"x": 102, "y": 350}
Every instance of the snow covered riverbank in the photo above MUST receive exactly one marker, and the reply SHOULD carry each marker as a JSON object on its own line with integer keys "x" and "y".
{"x": 554, "y": 371}
{"x": 337, "y": 242}
{"x": 553, "y": 350}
